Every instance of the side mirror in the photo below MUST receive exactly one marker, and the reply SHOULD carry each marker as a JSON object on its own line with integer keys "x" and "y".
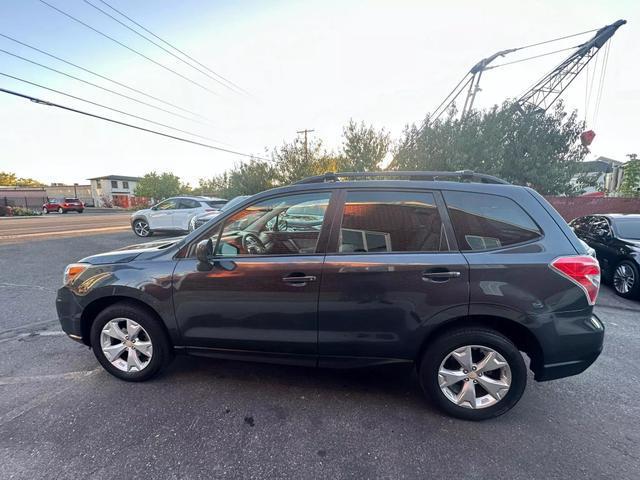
{"x": 204, "y": 251}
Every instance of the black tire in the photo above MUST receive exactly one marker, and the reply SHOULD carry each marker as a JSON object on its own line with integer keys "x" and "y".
{"x": 138, "y": 231}
{"x": 45, "y": 210}
{"x": 443, "y": 345}
{"x": 80, "y": 211}
{"x": 162, "y": 349}
{"x": 61, "y": 210}
{"x": 634, "y": 290}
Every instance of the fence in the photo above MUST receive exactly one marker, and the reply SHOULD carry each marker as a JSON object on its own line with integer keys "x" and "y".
{"x": 572, "y": 207}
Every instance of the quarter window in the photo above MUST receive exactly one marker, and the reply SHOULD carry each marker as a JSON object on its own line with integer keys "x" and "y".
{"x": 375, "y": 222}
{"x": 280, "y": 226}
{"x": 483, "y": 221}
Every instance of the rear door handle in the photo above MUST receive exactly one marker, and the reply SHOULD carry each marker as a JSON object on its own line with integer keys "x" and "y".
{"x": 439, "y": 276}
{"x": 299, "y": 281}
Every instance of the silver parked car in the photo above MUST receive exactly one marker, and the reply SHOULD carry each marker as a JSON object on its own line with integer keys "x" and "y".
{"x": 203, "y": 218}
{"x": 173, "y": 214}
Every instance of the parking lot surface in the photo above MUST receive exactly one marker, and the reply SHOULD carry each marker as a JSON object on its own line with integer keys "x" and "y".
{"x": 61, "y": 416}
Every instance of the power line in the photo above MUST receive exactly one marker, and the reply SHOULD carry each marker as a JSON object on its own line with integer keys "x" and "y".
{"x": 174, "y": 47}
{"x": 33, "y": 62}
{"x": 122, "y": 112}
{"x": 128, "y": 47}
{"x": 137, "y": 127}
{"x": 157, "y": 45}
{"x": 104, "y": 77}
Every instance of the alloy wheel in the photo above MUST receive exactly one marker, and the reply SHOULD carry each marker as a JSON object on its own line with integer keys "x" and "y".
{"x": 126, "y": 345}
{"x": 141, "y": 228}
{"x": 624, "y": 278}
{"x": 474, "y": 376}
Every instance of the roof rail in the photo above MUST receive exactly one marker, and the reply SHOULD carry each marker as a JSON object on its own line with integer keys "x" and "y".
{"x": 426, "y": 175}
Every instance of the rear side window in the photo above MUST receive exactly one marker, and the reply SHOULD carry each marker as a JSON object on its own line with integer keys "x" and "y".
{"x": 483, "y": 222}
{"x": 188, "y": 203}
{"x": 374, "y": 222}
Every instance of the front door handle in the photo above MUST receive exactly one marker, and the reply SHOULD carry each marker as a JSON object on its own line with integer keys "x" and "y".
{"x": 440, "y": 276}
{"x": 299, "y": 280}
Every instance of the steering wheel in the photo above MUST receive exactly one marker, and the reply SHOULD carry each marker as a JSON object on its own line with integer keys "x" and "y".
{"x": 252, "y": 244}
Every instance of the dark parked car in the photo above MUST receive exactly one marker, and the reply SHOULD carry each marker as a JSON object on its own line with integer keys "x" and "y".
{"x": 457, "y": 277}
{"x": 63, "y": 206}
{"x": 616, "y": 241}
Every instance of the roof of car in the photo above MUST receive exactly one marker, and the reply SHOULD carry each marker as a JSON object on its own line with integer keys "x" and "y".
{"x": 630, "y": 216}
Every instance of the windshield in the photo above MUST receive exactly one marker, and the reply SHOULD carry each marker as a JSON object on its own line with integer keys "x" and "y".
{"x": 216, "y": 203}
{"x": 629, "y": 228}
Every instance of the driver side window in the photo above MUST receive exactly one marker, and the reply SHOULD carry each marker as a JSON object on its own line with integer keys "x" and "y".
{"x": 288, "y": 225}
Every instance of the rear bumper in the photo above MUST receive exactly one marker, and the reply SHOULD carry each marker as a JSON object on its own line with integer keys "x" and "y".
{"x": 578, "y": 352}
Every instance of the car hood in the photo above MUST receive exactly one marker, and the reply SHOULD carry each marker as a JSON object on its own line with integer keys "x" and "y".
{"x": 126, "y": 254}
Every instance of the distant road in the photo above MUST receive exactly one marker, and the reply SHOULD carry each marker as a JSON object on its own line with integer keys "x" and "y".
{"x": 57, "y": 225}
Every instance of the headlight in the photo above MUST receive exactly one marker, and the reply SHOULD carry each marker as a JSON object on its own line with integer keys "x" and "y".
{"x": 72, "y": 271}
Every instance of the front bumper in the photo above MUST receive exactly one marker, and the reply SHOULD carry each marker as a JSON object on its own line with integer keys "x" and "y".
{"x": 575, "y": 352}
{"x": 69, "y": 314}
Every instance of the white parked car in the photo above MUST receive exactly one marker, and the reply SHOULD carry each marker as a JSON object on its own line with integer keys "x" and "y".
{"x": 202, "y": 218}
{"x": 173, "y": 214}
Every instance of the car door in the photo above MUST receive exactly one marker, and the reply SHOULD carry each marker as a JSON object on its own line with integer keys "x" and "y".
{"x": 391, "y": 269}
{"x": 160, "y": 216}
{"x": 260, "y": 293}
{"x": 602, "y": 241}
{"x": 187, "y": 208}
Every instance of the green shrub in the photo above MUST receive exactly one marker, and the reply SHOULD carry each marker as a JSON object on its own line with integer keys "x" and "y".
{"x": 25, "y": 212}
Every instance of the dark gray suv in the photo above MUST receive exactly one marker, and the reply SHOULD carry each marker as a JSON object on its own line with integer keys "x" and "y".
{"x": 457, "y": 273}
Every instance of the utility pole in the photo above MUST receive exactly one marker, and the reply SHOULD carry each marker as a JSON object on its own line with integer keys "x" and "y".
{"x": 306, "y": 150}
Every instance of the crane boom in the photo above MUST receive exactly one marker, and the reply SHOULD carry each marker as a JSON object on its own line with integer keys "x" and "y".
{"x": 547, "y": 90}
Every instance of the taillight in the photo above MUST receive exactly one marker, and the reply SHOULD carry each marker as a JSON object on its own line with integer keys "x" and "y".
{"x": 582, "y": 270}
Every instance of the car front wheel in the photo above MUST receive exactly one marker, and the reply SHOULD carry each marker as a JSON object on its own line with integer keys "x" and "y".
{"x": 141, "y": 228}
{"x": 626, "y": 279}
{"x": 473, "y": 374}
{"x": 129, "y": 342}
{"x": 44, "y": 210}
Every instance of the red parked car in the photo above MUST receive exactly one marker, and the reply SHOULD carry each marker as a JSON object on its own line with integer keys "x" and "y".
{"x": 63, "y": 206}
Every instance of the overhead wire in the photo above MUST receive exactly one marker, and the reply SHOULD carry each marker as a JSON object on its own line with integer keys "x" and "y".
{"x": 137, "y": 127}
{"x": 116, "y": 82}
{"x": 60, "y": 72}
{"x": 122, "y": 112}
{"x": 184, "y": 77}
{"x": 159, "y": 46}
{"x": 174, "y": 47}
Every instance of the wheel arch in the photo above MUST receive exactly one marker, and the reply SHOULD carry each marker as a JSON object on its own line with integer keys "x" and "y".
{"x": 522, "y": 338}
{"x": 93, "y": 309}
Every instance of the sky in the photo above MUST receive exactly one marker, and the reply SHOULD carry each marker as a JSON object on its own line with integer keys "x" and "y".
{"x": 311, "y": 64}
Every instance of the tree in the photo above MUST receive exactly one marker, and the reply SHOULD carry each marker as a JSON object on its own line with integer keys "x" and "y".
{"x": 538, "y": 150}
{"x": 364, "y": 147}
{"x": 292, "y": 163}
{"x": 243, "y": 179}
{"x": 160, "y": 186}
{"x": 9, "y": 179}
{"x": 631, "y": 178}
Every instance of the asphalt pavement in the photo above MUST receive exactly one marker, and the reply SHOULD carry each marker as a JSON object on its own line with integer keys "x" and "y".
{"x": 61, "y": 416}
{"x": 60, "y": 225}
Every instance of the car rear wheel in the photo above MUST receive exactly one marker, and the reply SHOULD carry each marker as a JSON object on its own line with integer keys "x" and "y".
{"x": 80, "y": 211}
{"x": 141, "y": 228}
{"x": 626, "y": 279}
{"x": 130, "y": 343}
{"x": 45, "y": 210}
{"x": 473, "y": 374}
{"x": 60, "y": 210}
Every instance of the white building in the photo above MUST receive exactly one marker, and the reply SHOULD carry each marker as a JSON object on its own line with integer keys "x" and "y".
{"x": 115, "y": 191}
